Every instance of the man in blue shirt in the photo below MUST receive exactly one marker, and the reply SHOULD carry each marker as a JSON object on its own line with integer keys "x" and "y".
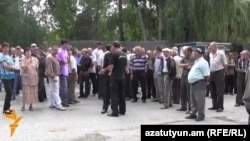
{"x": 197, "y": 77}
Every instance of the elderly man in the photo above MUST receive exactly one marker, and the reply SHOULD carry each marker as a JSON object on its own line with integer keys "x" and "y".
{"x": 197, "y": 77}
{"x": 242, "y": 67}
{"x": 150, "y": 75}
{"x": 177, "y": 80}
{"x": 186, "y": 63}
{"x": 246, "y": 97}
{"x": 169, "y": 72}
{"x": 158, "y": 75}
{"x": 138, "y": 65}
{"x": 218, "y": 65}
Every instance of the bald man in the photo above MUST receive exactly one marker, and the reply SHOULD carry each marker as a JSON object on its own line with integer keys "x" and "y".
{"x": 242, "y": 67}
{"x": 218, "y": 66}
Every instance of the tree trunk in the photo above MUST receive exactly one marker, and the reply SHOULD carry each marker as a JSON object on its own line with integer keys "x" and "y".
{"x": 160, "y": 18}
{"x": 121, "y": 31}
{"x": 143, "y": 29}
{"x": 96, "y": 21}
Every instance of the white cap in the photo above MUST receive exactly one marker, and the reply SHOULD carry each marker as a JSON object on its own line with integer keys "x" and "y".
{"x": 166, "y": 49}
{"x": 33, "y": 45}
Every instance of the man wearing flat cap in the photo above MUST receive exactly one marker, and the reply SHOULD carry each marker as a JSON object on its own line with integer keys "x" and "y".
{"x": 198, "y": 78}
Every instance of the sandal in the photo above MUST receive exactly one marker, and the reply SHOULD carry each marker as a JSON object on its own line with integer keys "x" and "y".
{"x": 22, "y": 109}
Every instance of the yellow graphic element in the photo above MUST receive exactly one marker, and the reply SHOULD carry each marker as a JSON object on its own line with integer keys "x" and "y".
{"x": 14, "y": 125}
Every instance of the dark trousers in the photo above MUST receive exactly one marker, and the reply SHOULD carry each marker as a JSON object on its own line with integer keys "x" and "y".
{"x": 93, "y": 79}
{"x": 117, "y": 96}
{"x": 139, "y": 76}
{"x": 217, "y": 88}
{"x": 207, "y": 89}
{"x": 84, "y": 77}
{"x": 176, "y": 90}
{"x": 241, "y": 85}
{"x": 97, "y": 81}
{"x": 150, "y": 84}
{"x": 248, "y": 111}
{"x": 128, "y": 86}
{"x": 185, "y": 93}
{"x": 17, "y": 83}
{"x": 8, "y": 86}
{"x": 105, "y": 91}
{"x": 71, "y": 87}
{"x": 41, "y": 89}
{"x": 235, "y": 82}
{"x": 229, "y": 84}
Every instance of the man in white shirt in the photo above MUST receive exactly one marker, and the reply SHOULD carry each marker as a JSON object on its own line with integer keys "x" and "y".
{"x": 72, "y": 78}
{"x": 92, "y": 73}
{"x": 17, "y": 58}
{"x": 218, "y": 65}
{"x": 177, "y": 80}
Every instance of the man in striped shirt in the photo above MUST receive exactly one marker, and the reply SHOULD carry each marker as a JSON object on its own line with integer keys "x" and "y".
{"x": 138, "y": 65}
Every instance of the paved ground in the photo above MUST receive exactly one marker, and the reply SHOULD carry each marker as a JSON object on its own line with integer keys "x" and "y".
{"x": 83, "y": 122}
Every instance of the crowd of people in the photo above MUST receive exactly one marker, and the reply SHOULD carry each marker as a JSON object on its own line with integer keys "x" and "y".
{"x": 115, "y": 74}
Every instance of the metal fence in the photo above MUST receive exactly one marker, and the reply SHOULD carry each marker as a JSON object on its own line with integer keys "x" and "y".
{"x": 128, "y": 44}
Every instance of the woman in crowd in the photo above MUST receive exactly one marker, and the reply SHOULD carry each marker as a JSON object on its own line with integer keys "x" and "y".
{"x": 7, "y": 75}
{"x": 29, "y": 79}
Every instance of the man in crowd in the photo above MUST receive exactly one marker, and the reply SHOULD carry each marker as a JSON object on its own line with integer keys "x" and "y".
{"x": 218, "y": 66}
{"x": 177, "y": 80}
{"x": 72, "y": 77}
{"x": 105, "y": 80}
{"x": 63, "y": 59}
{"x": 92, "y": 74}
{"x": 17, "y": 58}
{"x": 169, "y": 71}
{"x": 186, "y": 63}
{"x": 198, "y": 77}
{"x": 158, "y": 75}
{"x": 229, "y": 75}
{"x": 85, "y": 66}
{"x": 138, "y": 65}
{"x": 52, "y": 71}
{"x": 242, "y": 67}
{"x": 117, "y": 67}
{"x": 150, "y": 75}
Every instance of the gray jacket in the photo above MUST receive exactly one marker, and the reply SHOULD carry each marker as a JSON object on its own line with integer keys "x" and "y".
{"x": 246, "y": 97}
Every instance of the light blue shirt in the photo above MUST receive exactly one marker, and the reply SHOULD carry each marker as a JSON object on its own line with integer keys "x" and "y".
{"x": 199, "y": 71}
{"x": 6, "y": 74}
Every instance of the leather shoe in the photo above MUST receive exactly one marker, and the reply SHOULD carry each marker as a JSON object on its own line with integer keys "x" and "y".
{"x": 182, "y": 109}
{"x": 113, "y": 115}
{"x": 237, "y": 105}
{"x": 104, "y": 111}
{"x": 65, "y": 105}
{"x": 212, "y": 108}
{"x": 219, "y": 110}
{"x": 143, "y": 101}
{"x": 199, "y": 119}
{"x": 191, "y": 117}
{"x": 133, "y": 101}
{"x": 122, "y": 114}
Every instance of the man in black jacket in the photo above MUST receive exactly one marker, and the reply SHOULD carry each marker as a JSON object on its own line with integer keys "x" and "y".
{"x": 85, "y": 65}
{"x": 169, "y": 72}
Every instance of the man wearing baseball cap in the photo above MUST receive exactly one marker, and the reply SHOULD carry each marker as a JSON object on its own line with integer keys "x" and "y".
{"x": 198, "y": 78}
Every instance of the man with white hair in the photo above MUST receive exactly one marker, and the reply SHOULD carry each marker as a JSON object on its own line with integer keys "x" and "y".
{"x": 218, "y": 66}
{"x": 138, "y": 65}
{"x": 177, "y": 80}
{"x": 241, "y": 68}
{"x": 169, "y": 72}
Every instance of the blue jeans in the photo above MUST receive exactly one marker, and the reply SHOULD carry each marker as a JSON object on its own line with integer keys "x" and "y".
{"x": 63, "y": 89}
{"x": 17, "y": 83}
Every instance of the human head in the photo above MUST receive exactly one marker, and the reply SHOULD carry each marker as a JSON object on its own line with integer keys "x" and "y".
{"x": 149, "y": 53}
{"x": 213, "y": 47}
{"x": 5, "y": 47}
{"x": 115, "y": 46}
{"x": 64, "y": 44}
{"x": 166, "y": 52}
{"x": 138, "y": 50}
{"x": 84, "y": 52}
{"x": 18, "y": 50}
{"x": 198, "y": 53}
{"x": 99, "y": 45}
{"x": 27, "y": 52}
{"x": 54, "y": 50}
{"x": 158, "y": 50}
{"x": 245, "y": 54}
